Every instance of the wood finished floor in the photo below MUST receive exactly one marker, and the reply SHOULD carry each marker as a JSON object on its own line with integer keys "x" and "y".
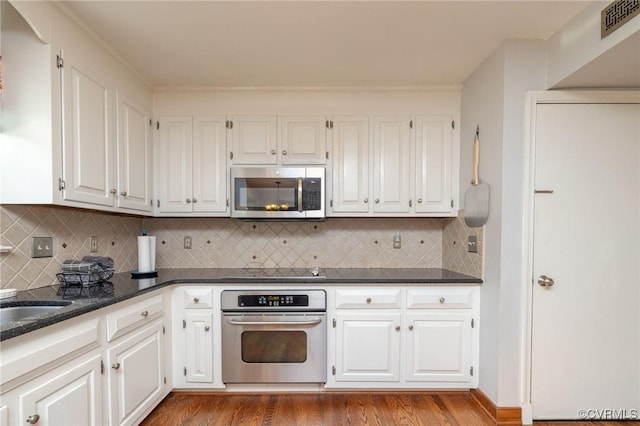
{"x": 334, "y": 409}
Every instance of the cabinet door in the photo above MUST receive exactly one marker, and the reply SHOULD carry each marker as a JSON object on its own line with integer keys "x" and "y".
{"x": 134, "y": 156}
{"x": 253, "y": 140}
{"x": 210, "y": 182}
{"x": 199, "y": 348}
{"x": 439, "y": 347}
{"x": 135, "y": 375}
{"x": 433, "y": 164}
{"x": 367, "y": 347}
{"x": 175, "y": 165}
{"x": 87, "y": 141}
{"x": 350, "y": 157}
{"x": 391, "y": 166}
{"x": 66, "y": 396}
{"x": 303, "y": 139}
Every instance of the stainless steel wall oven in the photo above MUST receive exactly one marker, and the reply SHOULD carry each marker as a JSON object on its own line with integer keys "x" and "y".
{"x": 274, "y": 336}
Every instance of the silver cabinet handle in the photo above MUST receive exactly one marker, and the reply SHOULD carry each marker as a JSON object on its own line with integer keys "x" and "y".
{"x": 195, "y": 200}
{"x": 442, "y": 300}
{"x": 207, "y": 328}
{"x": 144, "y": 313}
{"x": 188, "y": 200}
{"x": 196, "y": 300}
{"x": 284, "y": 152}
{"x": 366, "y": 200}
{"x": 115, "y": 366}
{"x": 411, "y": 327}
{"x": 545, "y": 281}
{"x": 419, "y": 200}
{"x": 114, "y": 191}
{"x": 300, "y": 194}
{"x": 33, "y": 419}
{"x": 377, "y": 200}
{"x": 397, "y": 328}
{"x": 368, "y": 300}
{"x": 123, "y": 193}
{"x": 273, "y": 152}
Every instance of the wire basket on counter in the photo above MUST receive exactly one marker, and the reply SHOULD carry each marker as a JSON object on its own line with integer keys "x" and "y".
{"x": 90, "y": 284}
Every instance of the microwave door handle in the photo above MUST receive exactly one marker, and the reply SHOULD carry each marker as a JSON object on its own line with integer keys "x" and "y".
{"x": 300, "y": 194}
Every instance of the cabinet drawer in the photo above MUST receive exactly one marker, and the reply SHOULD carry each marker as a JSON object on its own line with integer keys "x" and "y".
{"x": 444, "y": 298}
{"x": 368, "y": 298}
{"x": 198, "y": 298}
{"x": 126, "y": 319}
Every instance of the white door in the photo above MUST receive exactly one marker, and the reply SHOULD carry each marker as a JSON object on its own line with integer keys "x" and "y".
{"x": 350, "y": 157}
{"x": 210, "y": 185}
{"x": 368, "y": 347}
{"x": 134, "y": 156}
{"x": 303, "y": 139}
{"x": 391, "y": 165}
{"x": 586, "y": 325}
{"x": 199, "y": 348}
{"x": 175, "y": 167}
{"x": 253, "y": 140}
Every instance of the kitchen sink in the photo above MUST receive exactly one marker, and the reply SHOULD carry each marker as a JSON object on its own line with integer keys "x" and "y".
{"x": 17, "y": 313}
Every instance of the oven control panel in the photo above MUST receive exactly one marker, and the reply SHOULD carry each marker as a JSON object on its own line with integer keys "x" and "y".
{"x": 265, "y": 300}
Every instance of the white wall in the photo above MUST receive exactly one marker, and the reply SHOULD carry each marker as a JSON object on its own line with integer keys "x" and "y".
{"x": 494, "y": 99}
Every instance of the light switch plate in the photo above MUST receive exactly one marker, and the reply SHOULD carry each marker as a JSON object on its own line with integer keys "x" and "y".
{"x": 42, "y": 247}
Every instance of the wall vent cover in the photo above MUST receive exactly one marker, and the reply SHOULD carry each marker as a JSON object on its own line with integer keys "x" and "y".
{"x": 617, "y": 14}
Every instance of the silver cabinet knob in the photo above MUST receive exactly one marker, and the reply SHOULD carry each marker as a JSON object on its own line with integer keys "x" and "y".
{"x": 196, "y": 300}
{"x": 411, "y": 327}
{"x": 33, "y": 419}
{"x": 397, "y": 328}
{"x": 207, "y": 328}
{"x": 419, "y": 200}
{"x": 377, "y": 200}
{"x": 114, "y": 191}
{"x": 366, "y": 200}
{"x": 144, "y": 313}
{"x": 442, "y": 300}
{"x": 188, "y": 200}
{"x": 284, "y": 152}
{"x": 195, "y": 200}
{"x": 545, "y": 281}
{"x": 368, "y": 300}
{"x": 115, "y": 366}
{"x": 273, "y": 152}
{"x": 123, "y": 193}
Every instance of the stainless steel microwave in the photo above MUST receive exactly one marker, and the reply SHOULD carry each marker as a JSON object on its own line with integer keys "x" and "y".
{"x": 277, "y": 192}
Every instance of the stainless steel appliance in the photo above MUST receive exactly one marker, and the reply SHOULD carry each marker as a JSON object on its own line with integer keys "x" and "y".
{"x": 277, "y": 192}
{"x": 274, "y": 336}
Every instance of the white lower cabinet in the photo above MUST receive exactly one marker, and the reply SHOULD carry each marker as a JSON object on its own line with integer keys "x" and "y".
{"x": 404, "y": 337}
{"x": 68, "y": 395}
{"x": 136, "y": 374}
{"x": 198, "y": 347}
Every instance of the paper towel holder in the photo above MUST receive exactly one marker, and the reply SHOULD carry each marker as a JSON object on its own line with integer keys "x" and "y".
{"x": 135, "y": 275}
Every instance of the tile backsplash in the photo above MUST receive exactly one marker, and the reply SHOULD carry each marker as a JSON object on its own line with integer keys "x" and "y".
{"x": 229, "y": 243}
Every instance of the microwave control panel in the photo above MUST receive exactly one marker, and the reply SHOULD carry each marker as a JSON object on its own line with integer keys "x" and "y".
{"x": 312, "y": 194}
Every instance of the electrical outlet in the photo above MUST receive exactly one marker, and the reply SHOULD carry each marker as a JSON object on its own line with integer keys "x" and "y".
{"x": 93, "y": 244}
{"x": 42, "y": 247}
{"x": 397, "y": 241}
{"x": 472, "y": 244}
{"x": 187, "y": 242}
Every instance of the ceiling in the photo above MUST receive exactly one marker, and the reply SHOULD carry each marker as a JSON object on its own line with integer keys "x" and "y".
{"x": 315, "y": 43}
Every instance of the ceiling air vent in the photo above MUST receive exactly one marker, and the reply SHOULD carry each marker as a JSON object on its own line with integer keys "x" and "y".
{"x": 617, "y": 14}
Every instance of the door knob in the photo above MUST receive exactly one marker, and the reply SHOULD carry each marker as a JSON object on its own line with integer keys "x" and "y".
{"x": 545, "y": 281}
{"x": 115, "y": 366}
{"x": 33, "y": 419}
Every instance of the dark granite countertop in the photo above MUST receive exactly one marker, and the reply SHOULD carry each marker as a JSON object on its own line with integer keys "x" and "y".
{"x": 122, "y": 287}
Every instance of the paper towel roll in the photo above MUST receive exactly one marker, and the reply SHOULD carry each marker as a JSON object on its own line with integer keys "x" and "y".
{"x": 144, "y": 254}
{"x": 152, "y": 251}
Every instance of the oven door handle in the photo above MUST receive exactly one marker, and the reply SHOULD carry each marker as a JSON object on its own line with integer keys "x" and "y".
{"x": 309, "y": 322}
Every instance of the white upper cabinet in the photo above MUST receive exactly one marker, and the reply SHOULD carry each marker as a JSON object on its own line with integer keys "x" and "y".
{"x": 134, "y": 156}
{"x": 253, "y": 140}
{"x": 433, "y": 164}
{"x": 350, "y": 148}
{"x": 191, "y": 165}
{"x": 273, "y": 140}
{"x": 391, "y": 164}
{"x": 303, "y": 139}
